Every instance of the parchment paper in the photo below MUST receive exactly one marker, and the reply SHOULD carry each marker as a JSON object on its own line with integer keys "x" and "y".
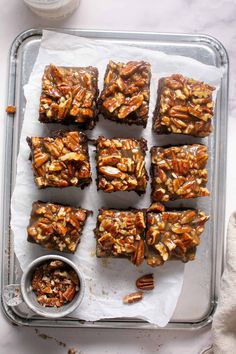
{"x": 107, "y": 280}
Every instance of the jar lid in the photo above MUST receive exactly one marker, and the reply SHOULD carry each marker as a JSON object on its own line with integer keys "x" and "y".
{"x": 43, "y": 2}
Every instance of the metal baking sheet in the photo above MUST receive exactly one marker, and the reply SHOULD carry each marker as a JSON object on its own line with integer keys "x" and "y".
{"x": 198, "y": 299}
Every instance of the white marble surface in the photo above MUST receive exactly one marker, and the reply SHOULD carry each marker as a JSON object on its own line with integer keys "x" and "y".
{"x": 217, "y": 18}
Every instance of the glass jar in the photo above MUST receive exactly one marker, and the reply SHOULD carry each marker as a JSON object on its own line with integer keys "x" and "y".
{"x": 53, "y": 8}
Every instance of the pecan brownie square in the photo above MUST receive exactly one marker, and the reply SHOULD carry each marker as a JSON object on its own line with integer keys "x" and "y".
{"x": 126, "y": 93}
{"x": 69, "y": 96}
{"x": 61, "y": 160}
{"x": 121, "y": 165}
{"x": 184, "y": 106}
{"x": 179, "y": 172}
{"x": 56, "y": 226}
{"x": 173, "y": 235}
{"x": 120, "y": 233}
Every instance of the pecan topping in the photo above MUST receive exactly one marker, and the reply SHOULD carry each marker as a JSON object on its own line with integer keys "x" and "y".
{"x": 56, "y": 226}
{"x": 60, "y": 161}
{"x": 121, "y": 165}
{"x": 146, "y": 282}
{"x": 139, "y": 253}
{"x": 179, "y": 172}
{"x": 131, "y": 105}
{"x": 156, "y": 207}
{"x": 120, "y": 234}
{"x": 184, "y": 106}
{"x": 55, "y": 284}
{"x": 125, "y": 97}
{"x": 133, "y": 297}
{"x": 69, "y": 95}
{"x": 173, "y": 234}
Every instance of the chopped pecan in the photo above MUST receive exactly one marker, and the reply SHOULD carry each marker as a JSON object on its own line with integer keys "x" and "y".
{"x": 184, "y": 106}
{"x": 156, "y": 207}
{"x": 133, "y": 297}
{"x": 138, "y": 255}
{"x": 140, "y": 220}
{"x": 145, "y": 282}
{"x": 69, "y": 294}
{"x": 110, "y": 171}
{"x": 72, "y": 351}
{"x": 57, "y": 264}
{"x": 132, "y": 105}
{"x": 130, "y": 68}
{"x": 11, "y": 109}
{"x": 188, "y": 217}
{"x": 114, "y": 102}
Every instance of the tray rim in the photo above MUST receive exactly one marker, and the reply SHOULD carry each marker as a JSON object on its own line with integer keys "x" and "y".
{"x": 10, "y": 313}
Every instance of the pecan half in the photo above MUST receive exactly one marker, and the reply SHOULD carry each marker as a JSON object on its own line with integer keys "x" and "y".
{"x": 133, "y": 297}
{"x": 157, "y": 207}
{"x": 145, "y": 282}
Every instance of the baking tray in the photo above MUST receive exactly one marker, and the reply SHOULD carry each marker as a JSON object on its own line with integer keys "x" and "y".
{"x": 198, "y": 299}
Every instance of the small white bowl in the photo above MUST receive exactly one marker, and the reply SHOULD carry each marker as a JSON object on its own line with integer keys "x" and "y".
{"x": 29, "y": 296}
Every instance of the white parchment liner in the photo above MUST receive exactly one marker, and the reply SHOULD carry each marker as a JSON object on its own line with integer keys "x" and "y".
{"x": 108, "y": 280}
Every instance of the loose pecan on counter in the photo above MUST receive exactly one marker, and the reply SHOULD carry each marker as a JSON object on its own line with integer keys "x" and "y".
{"x": 61, "y": 160}
{"x": 56, "y": 226}
{"x": 126, "y": 93}
{"x": 179, "y": 172}
{"x": 69, "y": 96}
{"x": 120, "y": 233}
{"x": 121, "y": 164}
{"x": 55, "y": 283}
{"x": 184, "y": 106}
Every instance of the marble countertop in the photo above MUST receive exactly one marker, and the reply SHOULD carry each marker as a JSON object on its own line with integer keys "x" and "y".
{"x": 216, "y": 18}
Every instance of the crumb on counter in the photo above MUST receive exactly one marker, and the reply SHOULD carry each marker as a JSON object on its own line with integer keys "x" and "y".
{"x": 11, "y": 109}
